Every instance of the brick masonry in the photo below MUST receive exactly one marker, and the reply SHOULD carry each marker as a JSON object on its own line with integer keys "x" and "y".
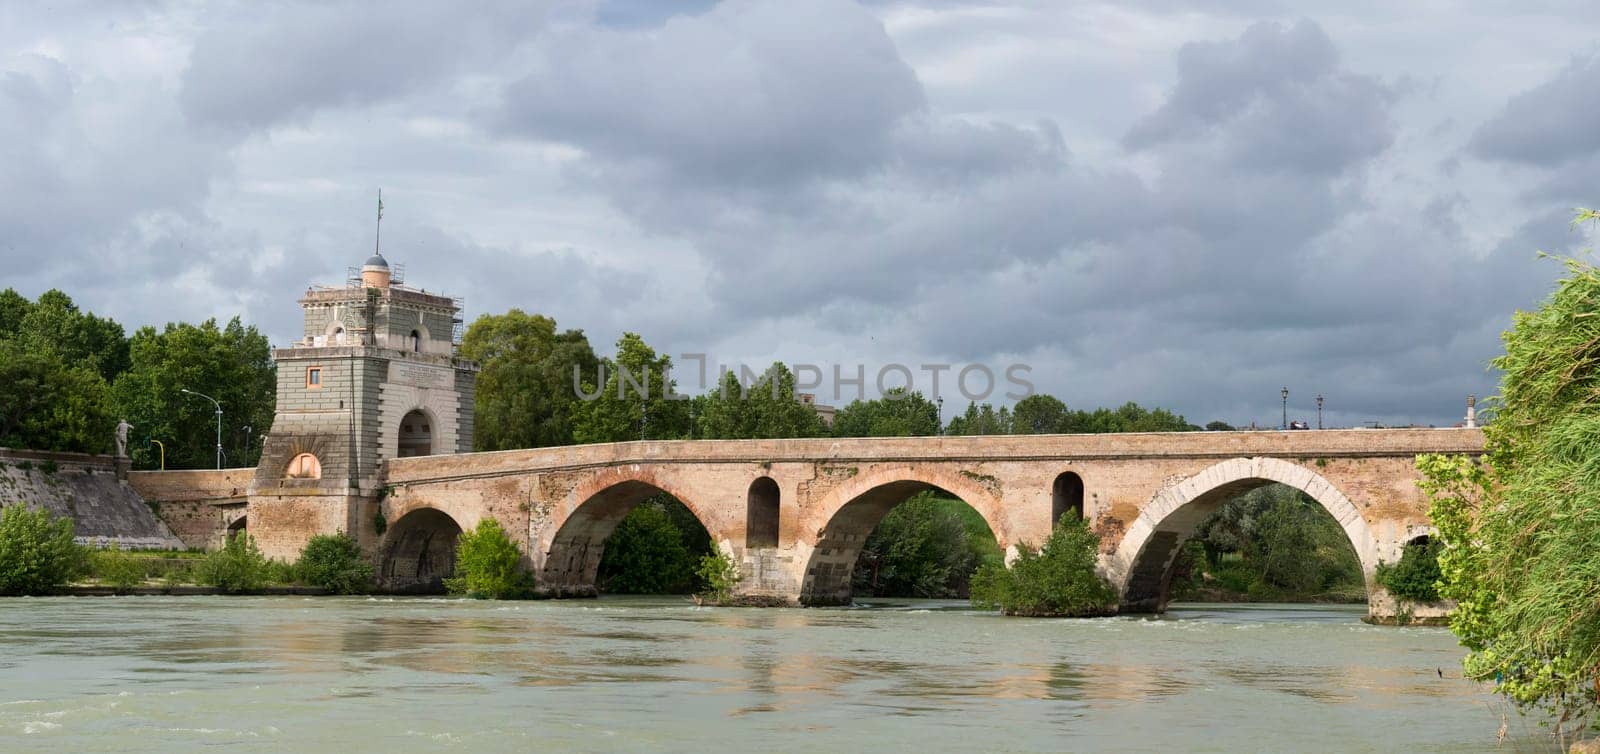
{"x": 1142, "y": 492}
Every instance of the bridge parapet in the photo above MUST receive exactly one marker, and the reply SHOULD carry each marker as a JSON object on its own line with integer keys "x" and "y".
{"x": 1332, "y": 443}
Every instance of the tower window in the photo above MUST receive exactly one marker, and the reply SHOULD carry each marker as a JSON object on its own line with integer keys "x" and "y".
{"x": 313, "y": 376}
{"x": 305, "y": 466}
{"x": 416, "y": 342}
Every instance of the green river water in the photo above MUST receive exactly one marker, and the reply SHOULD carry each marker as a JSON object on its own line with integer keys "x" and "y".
{"x": 348, "y": 675}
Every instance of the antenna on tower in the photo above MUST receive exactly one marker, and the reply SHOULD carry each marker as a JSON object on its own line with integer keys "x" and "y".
{"x": 377, "y": 238}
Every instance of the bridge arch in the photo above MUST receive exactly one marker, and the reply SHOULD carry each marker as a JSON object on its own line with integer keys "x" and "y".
{"x": 571, "y": 561}
{"x": 1142, "y": 564}
{"x": 418, "y": 551}
{"x": 851, "y": 511}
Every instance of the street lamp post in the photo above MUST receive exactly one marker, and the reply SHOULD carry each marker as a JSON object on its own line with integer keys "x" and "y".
{"x": 1319, "y": 410}
{"x": 940, "y": 400}
{"x": 219, "y": 420}
{"x": 1285, "y": 395}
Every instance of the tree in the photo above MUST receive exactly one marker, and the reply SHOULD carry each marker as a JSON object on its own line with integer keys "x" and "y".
{"x": 488, "y": 565}
{"x": 47, "y": 404}
{"x": 525, "y": 395}
{"x": 1519, "y": 529}
{"x": 1416, "y": 576}
{"x": 1219, "y": 426}
{"x": 766, "y": 409}
{"x": 13, "y": 307}
{"x": 1277, "y": 542}
{"x": 1296, "y": 546}
{"x": 334, "y": 562}
{"x": 1058, "y": 580}
{"x": 927, "y": 546}
{"x": 1040, "y": 414}
{"x": 82, "y": 339}
{"x": 231, "y": 364}
{"x": 896, "y": 414}
{"x": 647, "y": 554}
{"x": 37, "y": 554}
{"x": 636, "y": 401}
{"x": 1129, "y": 417}
{"x": 983, "y": 420}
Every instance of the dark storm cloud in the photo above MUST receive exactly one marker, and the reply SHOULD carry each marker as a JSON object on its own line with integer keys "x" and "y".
{"x": 1180, "y": 202}
{"x": 1551, "y": 123}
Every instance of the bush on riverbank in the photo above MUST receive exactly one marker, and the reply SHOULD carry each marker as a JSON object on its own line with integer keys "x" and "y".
{"x": 654, "y": 550}
{"x": 1416, "y": 576}
{"x": 238, "y": 567}
{"x": 334, "y": 562}
{"x": 720, "y": 575}
{"x": 489, "y": 565}
{"x": 1059, "y": 580}
{"x": 115, "y": 568}
{"x": 37, "y": 554}
{"x": 1519, "y": 526}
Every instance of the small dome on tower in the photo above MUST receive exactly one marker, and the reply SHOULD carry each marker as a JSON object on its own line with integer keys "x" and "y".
{"x": 375, "y": 273}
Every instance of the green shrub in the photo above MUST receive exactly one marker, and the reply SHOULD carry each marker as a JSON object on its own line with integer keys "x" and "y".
{"x": 1416, "y": 576}
{"x": 117, "y": 569}
{"x": 1057, "y": 580}
{"x": 646, "y": 554}
{"x": 238, "y": 567}
{"x": 177, "y": 575}
{"x": 37, "y": 554}
{"x": 488, "y": 565}
{"x": 335, "y": 562}
{"x": 928, "y": 546}
{"x": 279, "y": 572}
{"x": 719, "y": 574}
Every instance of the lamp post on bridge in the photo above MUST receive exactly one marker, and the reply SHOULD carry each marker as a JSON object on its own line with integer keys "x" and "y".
{"x": 219, "y": 420}
{"x": 1285, "y": 394}
{"x": 1319, "y": 410}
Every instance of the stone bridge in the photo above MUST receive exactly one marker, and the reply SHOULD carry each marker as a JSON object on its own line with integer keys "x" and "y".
{"x": 795, "y": 513}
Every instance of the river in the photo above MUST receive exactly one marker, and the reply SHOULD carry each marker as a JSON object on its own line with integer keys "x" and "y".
{"x": 185, "y": 674}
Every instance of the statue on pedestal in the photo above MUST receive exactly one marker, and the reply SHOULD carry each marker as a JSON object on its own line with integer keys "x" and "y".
{"x": 122, "y": 437}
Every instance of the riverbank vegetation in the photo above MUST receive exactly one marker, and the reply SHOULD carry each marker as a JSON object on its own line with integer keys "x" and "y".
{"x": 334, "y": 562}
{"x": 928, "y": 546}
{"x": 1057, "y": 580}
{"x": 656, "y": 549}
{"x": 37, "y": 554}
{"x": 489, "y": 565}
{"x": 1271, "y": 544}
{"x": 1519, "y": 526}
{"x": 718, "y": 575}
{"x": 1415, "y": 577}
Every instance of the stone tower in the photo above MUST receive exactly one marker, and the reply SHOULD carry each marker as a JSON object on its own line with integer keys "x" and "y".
{"x": 374, "y": 377}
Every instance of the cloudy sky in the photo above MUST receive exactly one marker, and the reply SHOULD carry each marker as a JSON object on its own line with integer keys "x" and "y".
{"x": 1189, "y": 203}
